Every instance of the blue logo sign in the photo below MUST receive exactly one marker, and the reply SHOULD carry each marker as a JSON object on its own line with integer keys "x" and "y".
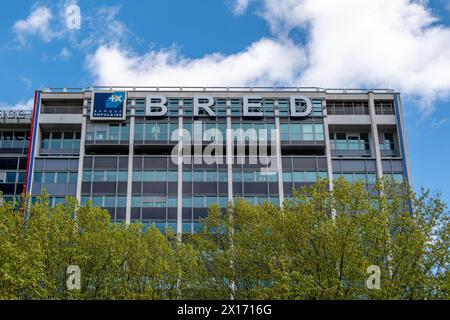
{"x": 110, "y": 105}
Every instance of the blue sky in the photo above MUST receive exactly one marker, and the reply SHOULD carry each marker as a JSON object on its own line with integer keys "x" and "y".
{"x": 400, "y": 44}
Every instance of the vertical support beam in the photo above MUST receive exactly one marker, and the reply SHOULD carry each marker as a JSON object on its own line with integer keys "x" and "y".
{"x": 33, "y": 146}
{"x": 402, "y": 138}
{"x": 229, "y": 153}
{"x": 278, "y": 154}
{"x": 375, "y": 138}
{"x": 82, "y": 150}
{"x": 327, "y": 144}
{"x": 130, "y": 163}
{"x": 180, "y": 172}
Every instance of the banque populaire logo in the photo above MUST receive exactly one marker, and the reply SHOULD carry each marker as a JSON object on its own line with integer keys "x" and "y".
{"x": 109, "y": 105}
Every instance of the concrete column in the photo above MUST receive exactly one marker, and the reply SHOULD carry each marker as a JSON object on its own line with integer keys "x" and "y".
{"x": 229, "y": 153}
{"x": 402, "y": 139}
{"x": 327, "y": 144}
{"x": 278, "y": 154}
{"x": 374, "y": 130}
{"x": 82, "y": 150}
{"x": 36, "y": 146}
{"x": 130, "y": 163}
{"x": 180, "y": 172}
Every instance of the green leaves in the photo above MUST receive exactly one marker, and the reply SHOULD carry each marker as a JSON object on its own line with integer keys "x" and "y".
{"x": 319, "y": 246}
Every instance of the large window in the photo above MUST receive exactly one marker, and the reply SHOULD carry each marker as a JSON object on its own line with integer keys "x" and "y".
{"x": 351, "y": 177}
{"x": 12, "y": 177}
{"x": 111, "y": 132}
{"x": 252, "y": 131}
{"x": 388, "y": 142}
{"x": 106, "y": 201}
{"x": 60, "y": 142}
{"x": 347, "y": 107}
{"x": 154, "y": 131}
{"x": 301, "y": 132}
{"x": 384, "y": 107}
{"x": 204, "y": 201}
{"x": 155, "y": 176}
{"x": 260, "y": 199}
{"x": 51, "y": 177}
{"x": 210, "y": 131}
{"x": 349, "y": 141}
{"x": 205, "y": 176}
{"x": 105, "y": 175}
{"x": 14, "y": 140}
{"x": 304, "y": 176}
{"x": 253, "y": 176}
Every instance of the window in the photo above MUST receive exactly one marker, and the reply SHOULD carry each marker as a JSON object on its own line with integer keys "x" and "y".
{"x": 73, "y": 177}
{"x": 388, "y": 142}
{"x": 211, "y": 176}
{"x": 347, "y": 107}
{"x": 87, "y": 175}
{"x": 301, "y": 132}
{"x": 38, "y": 177}
{"x": 249, "y": 177}
{"x": 172, "y": 176}
{"x": 99, "y": 176}
{"x": 114, "y": 132}
{"x": 223, "y": 176}
{"x": 366, "y": 178}
{"x": 349, "y": 141}
{"x": 384, "y": 107}
{"x": 49, "y": 177}
{"x": 198, "y": 176}
{"x": 187, "y": 176}
{"x": 56, "y": 140}
{"x": 61, "y": 177}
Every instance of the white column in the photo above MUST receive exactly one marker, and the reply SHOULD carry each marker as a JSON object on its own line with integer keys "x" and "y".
{"x": 180, "y": 172}
{"x": 327, "y": 144}
{"x": 375, "y": 139}
{"x": 82, "y": 150}
{"x": 130, "y": 163}
{"x": 229, "y": 150}
{"x": 402, "y": 137}
{"x": 278, "y": 153}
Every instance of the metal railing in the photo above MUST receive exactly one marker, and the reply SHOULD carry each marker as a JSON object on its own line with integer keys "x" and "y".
{"x": 218, "y": 89}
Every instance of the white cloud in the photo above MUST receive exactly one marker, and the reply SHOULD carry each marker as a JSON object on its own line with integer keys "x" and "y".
{"x": 439, "y": 123}
{"x": 27, "y": 82}
{"x": 349, "y": 43}
{"x": 264, "y": 62}
{"x": 240, "y": 6}
{"x": 21, "y": 105}
{"x": 36, "y": 24}
{"x": 65, "y": 54}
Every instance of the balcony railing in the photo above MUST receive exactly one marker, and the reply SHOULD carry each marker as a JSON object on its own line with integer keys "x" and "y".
{"x": 215, "y": 89}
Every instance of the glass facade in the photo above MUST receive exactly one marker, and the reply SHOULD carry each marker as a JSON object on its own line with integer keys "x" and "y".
{"x": 132, "y": 167}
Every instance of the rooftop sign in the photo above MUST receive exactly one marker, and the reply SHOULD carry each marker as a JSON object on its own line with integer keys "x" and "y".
{"x": 111, "y": 105}
{"x": 108, "y": 105}
{"x": 12, "y": 114}
{"x": 156, "y": 106}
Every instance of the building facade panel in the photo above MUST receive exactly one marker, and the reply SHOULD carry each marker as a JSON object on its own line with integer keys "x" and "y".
{"x": 253, "y": 143}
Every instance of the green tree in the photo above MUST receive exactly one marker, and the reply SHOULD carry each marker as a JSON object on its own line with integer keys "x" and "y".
{"x": 318, "y": 246}
{"x": 321, "y": 243}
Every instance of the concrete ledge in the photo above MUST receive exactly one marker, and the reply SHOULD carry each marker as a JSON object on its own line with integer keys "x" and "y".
{"x": 60, "y": 118}
{"x": 349, "y": 119}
